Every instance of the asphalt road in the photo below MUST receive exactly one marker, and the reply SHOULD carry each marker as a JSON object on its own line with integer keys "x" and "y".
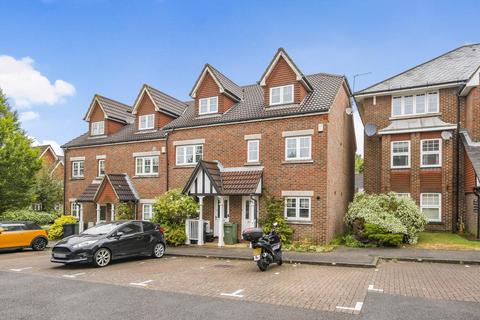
{"x": 26, "y": 296}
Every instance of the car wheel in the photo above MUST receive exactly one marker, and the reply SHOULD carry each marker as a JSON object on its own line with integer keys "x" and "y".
{"x": 158, "y": 250}
{"x": 39, "y": 244}
{"x": 102, "y": 257}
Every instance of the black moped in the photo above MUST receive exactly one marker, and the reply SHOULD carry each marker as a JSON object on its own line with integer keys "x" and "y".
{"x": 267, "y": 248}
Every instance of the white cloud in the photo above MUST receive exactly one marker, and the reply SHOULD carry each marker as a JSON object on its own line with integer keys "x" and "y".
{"x": 56, "y": 147}
{"x": 26, "y": 86}
{"x": 28, "y": 116}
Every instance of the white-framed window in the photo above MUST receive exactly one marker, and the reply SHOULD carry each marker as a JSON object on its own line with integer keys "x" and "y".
{"x": 403, "y": 194}
{"x": 37, "y": 206}
{"x": 281, "y": 95}
{"x": 431, "y": 206}
{"x": 208, "y": 105}
{"x": 188, "y": 155}
{"x": 75, "y": 209}
{"x": 146, "y": 122}
{"x": 101, "y": 167}
{"x": 145, "y": 166}
{"x": 431, "y": 153}
{"x": 147, "y": 210}
{"x": 58, "y": 206}
{"x": 421, "y": 103}
{"x": 400, "y": 154}
{"x": 98, "y": 128}
{"x": 298, "y": 208}
{"x": 298, "y": 148}
{"x": 77, "y": 169}
{"x": 253, "y": 150}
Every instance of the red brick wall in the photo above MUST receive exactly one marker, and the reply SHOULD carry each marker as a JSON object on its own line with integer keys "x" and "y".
{"x": 470, "y": 176}
{"x": 281, "y": 75}
{"x": 472, "y": 109}
{"x": 106, "y": 194}
{"x": 48, "y": 159}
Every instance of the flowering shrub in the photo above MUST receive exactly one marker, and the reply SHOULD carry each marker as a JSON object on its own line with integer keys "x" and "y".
{"x": 56, "y": 230}
{"x": 389, "y": 213}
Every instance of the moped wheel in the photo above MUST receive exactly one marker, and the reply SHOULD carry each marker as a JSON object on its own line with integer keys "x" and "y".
{"x": 280, "y": 260}
{"x": 262, "y": 264}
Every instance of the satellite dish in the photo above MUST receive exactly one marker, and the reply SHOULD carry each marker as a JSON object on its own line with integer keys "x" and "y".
{"x": 446, "y": 135}
{"x": 370, "y": 129}
{"x": 349, "y": 111}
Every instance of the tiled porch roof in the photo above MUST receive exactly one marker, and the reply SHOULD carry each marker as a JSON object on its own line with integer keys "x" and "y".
{"x": 121, "y": 184}
{"x": 224, "y": 181}
{"x": 89, "y": 194}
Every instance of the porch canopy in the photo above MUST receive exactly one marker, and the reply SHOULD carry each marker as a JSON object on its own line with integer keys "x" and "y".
{"x": 113, "y": 188}
{"x": 210, "y": 178}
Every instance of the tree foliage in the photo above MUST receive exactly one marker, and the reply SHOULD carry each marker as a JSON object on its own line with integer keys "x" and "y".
{"x": 18, "y": 161}
{"x": 48, "y": 190}
{"x": 123, "y": 211}
{"x": 358, "y": 163}
{"x": 275, "y": 213}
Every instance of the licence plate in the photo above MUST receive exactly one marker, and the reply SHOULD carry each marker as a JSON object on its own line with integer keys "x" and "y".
{"x": 256, "y": 254}
{"x": 59, "y": 255}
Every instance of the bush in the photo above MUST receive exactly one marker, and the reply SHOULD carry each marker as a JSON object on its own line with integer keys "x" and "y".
{"x": 41, "y": 218}
{"x": 124, "y": 211}
{"x": 56, "y": 230}
{"x": 173, "y": 208}
{"x": 307, "y": 245}
{"x": 386, "y": 214}
{"x": 381, "y": 237}
{"x": 175, "y": 235}
{"x": 275, "y": 208}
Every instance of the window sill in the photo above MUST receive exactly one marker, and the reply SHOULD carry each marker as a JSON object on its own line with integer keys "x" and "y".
{"x": 145, "y": 131}
{"x": 252, "y": 164}
{"x": 77, "y": 178}
{"x": 299, "y": 222}
{"x": 146, "y": 176}
{"x": 297, "y": 162}
{"x": 400, "y": 168}
{"x": 97, "y": 136}
{"x": 186, "y": 166}
{"x": 435, "y": 223}
{"x": 430, "y": 167}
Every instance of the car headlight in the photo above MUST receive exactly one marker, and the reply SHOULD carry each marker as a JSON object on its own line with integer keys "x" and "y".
{"x": 84, "y": 243}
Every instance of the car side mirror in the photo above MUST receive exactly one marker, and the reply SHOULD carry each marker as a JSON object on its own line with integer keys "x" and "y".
{"x": 119, "y": 234}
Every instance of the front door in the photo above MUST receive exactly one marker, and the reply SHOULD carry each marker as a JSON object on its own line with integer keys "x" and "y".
{"x": 247, "y": 214}
{"x": 226, "y": 213}
{"x": 103, "y": 213}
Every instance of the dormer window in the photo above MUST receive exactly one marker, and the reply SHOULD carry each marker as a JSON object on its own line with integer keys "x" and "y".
{"x": 208, "y": 105}
{"x": 146, "y": 122}
{"x": 98, "y": 128}
{"x": 281, "y": 95}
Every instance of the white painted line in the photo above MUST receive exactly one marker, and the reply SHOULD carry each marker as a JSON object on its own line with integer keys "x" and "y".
{"x": 233, "y": 294}
{"x": 467, "y": 266}
{"x": 73, "y": 275}
{"x": 20, "y": 269}
{"x": 371, "y": 288}
{"x": 142, "y": 262}
{"x": 358, "y": 307}
{"x": 277, "y": 272}
{"x": 376, "y": 270}
{"x": 141, "y": 284}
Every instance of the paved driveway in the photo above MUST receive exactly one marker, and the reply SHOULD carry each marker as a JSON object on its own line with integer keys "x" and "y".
{"x": 321, "y": 288}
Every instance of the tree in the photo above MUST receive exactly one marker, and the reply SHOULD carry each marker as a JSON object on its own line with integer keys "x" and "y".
{"x": 124, "y": 211}
{"x": 19, "y": 163}
{"x": 358, "y": 163}
{"x": 48, "y": 190}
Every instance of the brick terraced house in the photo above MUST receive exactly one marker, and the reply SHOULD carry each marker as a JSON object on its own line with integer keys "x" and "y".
{"x": 422, "y": 139}
{"x": 290, "y": 136}
{"x": 54, "y": 164}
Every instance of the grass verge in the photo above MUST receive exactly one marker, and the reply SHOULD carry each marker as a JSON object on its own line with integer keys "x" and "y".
{"x": 445, "y": 241}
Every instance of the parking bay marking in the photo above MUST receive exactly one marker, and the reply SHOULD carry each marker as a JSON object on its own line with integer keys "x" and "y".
{"x": 358, "y": 307}
{"x": 371, "y": 288}
{"x": 20, "y": 269}
{"x": 141, "y": 284}
{"x": 73, "y": 275}
{"x": 234, "y": 294}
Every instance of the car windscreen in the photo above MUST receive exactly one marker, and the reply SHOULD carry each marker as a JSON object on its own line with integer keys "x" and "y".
{"x": 101, "y": 229}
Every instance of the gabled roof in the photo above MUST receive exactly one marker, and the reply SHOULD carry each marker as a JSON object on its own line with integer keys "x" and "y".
{"x": 223, "y": 181}
{"x": 44, "y": 148}
{"x": 162, "y": 101}
{"x": 121, "y": 184}
{"x": 281, "y": 53}
{"x": 456, "y": 66}
{"x": 472, "y": 149}
{"x": 88, "y": 195}
{"x": 225, "y": 84}
{"x": 112, "y": 109}
{"x": 251, "y": 107}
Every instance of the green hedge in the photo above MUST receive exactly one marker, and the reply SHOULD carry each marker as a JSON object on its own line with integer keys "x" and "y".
{"x": 56, "y": 230}
{"x": 41, "y": 218}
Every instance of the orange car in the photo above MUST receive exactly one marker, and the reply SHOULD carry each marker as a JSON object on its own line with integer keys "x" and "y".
{"x": 22, "y": 234}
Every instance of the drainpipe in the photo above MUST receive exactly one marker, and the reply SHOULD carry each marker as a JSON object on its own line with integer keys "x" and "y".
{"x": 456, "y": 215}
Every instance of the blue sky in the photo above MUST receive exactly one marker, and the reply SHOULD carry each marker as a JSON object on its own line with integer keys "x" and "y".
{"x": 113, "y": 47}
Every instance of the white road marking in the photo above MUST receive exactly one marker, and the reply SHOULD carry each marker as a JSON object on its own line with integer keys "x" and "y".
{"x": 467, "y": 266}
{"x": 358, "y": 307}
{"x": 142, "y": 262}
{"x": 376, "y": 270}
{"x": 20, "y": 269}
{"x": 277, "y": 272}
{"x": 233, "y": 294}
{"x": 73, "y": 275}
{"x": 371, "y": 288}
{"x": 141, "y": 284}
